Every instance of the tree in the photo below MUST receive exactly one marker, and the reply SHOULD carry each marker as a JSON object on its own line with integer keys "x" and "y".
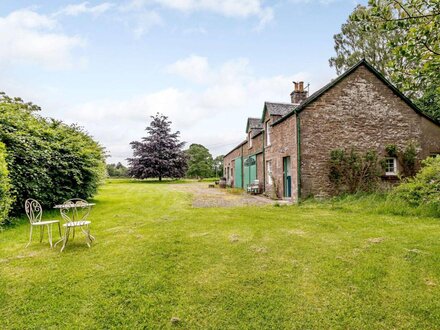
{"x": 200, "y": 162}
{"x": 430, "y": 102}
{"x": 117, "y": 170}
{"x": 218, "y": 166}
{"x": 159, "y": 154}
{"x": 353, "y": 43}
{"x": 408, "y": 36}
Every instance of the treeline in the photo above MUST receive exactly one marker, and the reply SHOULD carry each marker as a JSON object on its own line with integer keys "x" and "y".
{"x": 43, "y": 158}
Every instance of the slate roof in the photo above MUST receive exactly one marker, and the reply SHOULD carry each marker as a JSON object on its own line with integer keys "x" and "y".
{"x": 254, "y": 123}
{"x": 279, "y": 109}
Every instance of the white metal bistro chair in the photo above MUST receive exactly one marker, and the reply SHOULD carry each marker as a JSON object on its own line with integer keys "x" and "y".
{"x": 75, "y": 212}
{"x": 34, "y": 211}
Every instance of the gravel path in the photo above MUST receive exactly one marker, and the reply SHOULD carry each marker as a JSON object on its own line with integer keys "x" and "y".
{"x": 203, "y": 196}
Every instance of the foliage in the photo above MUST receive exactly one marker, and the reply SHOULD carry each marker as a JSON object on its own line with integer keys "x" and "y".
{"x": 245, "y": 267}
{"x": 391, "y": 150}
{"x": 424, "y": 188}
{"x": 409, "y": 160}
{"x": 352, "y": 172}
{"x": 47, "y": 160}
{"x": 5, "y": 187}
{"x": 159, "y": 154}
{"x": 407, "y": 52}
{"x": 200, "y": 162}
{"x": 218, "y": 166}
{"x": 353, "y": 44}
{"x": 430, "y": 102}
{"x": 117, "y": 170}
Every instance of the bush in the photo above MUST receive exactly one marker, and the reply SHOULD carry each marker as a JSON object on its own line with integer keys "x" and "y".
{"x": 352, "y": 172}
{"x": 5, "y": 186}
{"x": 424, "y": 189}
{"x": 47, "y": 159}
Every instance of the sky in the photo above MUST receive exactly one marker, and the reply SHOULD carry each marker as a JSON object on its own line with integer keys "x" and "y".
{"x": 206, "y": 64}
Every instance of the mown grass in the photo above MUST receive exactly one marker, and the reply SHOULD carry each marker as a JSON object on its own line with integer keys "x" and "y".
{"x": 317, "y": 266}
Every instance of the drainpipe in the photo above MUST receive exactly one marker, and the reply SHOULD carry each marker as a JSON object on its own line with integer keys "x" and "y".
{"x": 264, "y": 163}
{"x": 298, "y": 156}
{"x": 242, "y": 167}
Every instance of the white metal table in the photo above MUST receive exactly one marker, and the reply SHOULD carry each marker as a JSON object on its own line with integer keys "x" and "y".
{"x": 75, "y": 212}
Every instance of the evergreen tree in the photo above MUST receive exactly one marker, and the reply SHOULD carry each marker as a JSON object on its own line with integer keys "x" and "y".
{"x": 200, "y": 163}
{"x": 159, "y": 154}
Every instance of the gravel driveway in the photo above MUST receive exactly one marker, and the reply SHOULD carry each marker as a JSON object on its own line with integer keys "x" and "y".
{"x": 203, "y": 196}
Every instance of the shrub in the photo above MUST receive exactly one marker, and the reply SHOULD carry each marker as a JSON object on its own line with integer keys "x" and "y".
{"x": 5, "y": 186}
{"x": 47, "y": 159}
{"x": 423, "y": 189}
{"x": 351, "y": 172}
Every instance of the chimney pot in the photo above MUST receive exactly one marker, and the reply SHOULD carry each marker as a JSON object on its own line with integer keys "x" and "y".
{"x": 299, "y": 94}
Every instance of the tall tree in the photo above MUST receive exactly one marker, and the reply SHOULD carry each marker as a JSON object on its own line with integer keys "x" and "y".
{"x": 218, "y": 165}
{"x": 354, "y": 43}
{"x": 159, "y": 154}
{"x": 200, "y": 163}
{"x": 408, "y": 31}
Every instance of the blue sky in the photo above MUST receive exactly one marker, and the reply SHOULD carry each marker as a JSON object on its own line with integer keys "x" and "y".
{"x": 207, "y": 64}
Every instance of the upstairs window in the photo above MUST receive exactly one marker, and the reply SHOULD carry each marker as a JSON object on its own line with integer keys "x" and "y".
{"x": 250, "y": 139}
{"x": 391, "y": 166}
{"x": 267, "y": 129}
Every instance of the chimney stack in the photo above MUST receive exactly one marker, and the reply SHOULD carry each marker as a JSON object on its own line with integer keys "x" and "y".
{"x": 299, "y": 94}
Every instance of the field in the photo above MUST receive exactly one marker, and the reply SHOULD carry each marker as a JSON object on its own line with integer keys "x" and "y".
{"x": 160, "y": 263}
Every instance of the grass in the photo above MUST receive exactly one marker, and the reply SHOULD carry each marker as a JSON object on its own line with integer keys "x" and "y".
{"x": 310, "y": 267}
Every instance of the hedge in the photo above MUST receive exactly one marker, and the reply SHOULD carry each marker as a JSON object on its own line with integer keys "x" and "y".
{"x": 47, "y": 159}
{"x": 5, "y": 187}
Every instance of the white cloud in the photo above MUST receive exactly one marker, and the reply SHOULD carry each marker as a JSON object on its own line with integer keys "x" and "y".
{"x": 194, "y": 68}
{"x": 29, "y": 37}
{"x": 143, "y": 22}
{"x": 85, "y": 8}
{"x": 212, "y": 113}
{"x": 228, "y": 8}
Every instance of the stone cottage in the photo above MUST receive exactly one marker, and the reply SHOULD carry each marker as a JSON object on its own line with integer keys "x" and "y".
{"x": 287, "y": 150}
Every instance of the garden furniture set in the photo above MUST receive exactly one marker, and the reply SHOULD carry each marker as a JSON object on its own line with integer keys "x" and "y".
{"x": 74, "y": 212}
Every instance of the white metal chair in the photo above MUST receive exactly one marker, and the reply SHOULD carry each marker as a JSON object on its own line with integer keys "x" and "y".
{"x": 75, "y": 212}
{"x": 34, "y": 211}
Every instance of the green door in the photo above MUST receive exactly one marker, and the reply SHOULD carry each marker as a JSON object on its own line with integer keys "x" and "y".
{"x": 238, "y": 183}
{"x": 250, "y": 170}
{"x": 287, "y": 177}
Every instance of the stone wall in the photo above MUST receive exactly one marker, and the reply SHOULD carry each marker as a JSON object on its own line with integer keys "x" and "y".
{"x": 359, "y": 112}
{"x": 283, "y": 144}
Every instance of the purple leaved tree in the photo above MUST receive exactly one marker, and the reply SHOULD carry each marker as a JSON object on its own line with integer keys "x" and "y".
{"x": 159, "y": 154}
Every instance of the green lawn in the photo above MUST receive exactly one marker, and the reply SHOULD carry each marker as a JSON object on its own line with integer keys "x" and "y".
{"x": 156, "y": 257}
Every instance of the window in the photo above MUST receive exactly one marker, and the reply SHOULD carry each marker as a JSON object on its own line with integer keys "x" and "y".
{"x": 250, "y": 139}
{"x": 391, "y": 166}
{"x": 269, "y": 171}
{"x": 267, "y": 128}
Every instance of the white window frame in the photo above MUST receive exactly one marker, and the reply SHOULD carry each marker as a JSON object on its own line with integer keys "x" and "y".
{"x": 268, "y": 132}
{"x": 394, "y": 166}
{"x": 269, "y": 171}
{"x": 250, "y": 139}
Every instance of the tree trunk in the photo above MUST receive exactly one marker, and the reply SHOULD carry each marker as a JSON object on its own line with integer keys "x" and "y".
{"x": 160, "y": 178}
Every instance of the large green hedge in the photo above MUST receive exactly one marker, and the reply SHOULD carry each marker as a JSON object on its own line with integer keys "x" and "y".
{"x": 5, "y": 186}
{"x": 47, "y": 159}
